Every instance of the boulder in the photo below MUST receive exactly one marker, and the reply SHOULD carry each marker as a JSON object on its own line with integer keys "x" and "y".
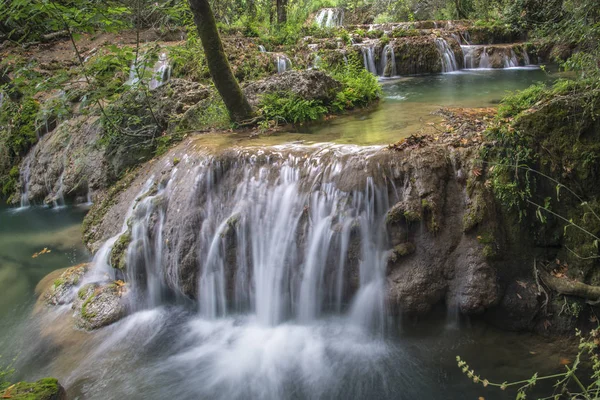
{"x": 44, "y": 389}
{"x": 309, "y": 85}
{"x": 99, "y": 305}
{"x": 62, "y": 289}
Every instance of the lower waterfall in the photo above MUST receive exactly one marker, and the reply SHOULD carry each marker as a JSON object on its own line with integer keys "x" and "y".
{"x": 282, "y": 250}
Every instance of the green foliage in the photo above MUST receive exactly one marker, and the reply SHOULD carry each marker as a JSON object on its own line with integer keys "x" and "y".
{"x": 290, "y": 108}
{"x": 359, "y": 87}
{"x": 6, "y": 371}
{"x": 567, "y": 384}
{"x": 30, "y": 20}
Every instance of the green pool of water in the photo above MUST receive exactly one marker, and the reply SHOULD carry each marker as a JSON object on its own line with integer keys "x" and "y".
{"x": 406, "y": 108}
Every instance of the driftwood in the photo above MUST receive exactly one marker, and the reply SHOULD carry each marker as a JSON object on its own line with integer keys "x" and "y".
{"x": 569, "y": 287}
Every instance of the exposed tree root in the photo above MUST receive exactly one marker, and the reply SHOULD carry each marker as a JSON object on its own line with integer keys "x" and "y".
{"x": 569, "y": 287}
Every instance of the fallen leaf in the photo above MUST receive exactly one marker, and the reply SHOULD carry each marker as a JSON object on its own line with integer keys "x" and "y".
{"x": 522, "y": 284}
{"x": 547, "y": 324}
{"x": 532, "y": 353}
{"x": 593, "y": 318}
{"x": 519, "y": 296}
{"x": 565, "y": 361}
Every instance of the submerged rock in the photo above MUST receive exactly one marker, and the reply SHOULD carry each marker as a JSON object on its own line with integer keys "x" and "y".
{"x": 98, "y": 305}
{"x": 44, "y": 389}
{"x": 309, "y": 85}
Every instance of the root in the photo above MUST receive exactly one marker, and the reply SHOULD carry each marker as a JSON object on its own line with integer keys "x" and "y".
{"x": 572, "y": 288}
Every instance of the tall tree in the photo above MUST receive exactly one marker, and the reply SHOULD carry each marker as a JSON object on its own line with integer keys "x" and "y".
{"x": 237, "y": 105}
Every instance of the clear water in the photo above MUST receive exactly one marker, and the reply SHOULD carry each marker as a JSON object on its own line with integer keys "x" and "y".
{"x": 173, "y": 352}
{"x": 406, "y": 108}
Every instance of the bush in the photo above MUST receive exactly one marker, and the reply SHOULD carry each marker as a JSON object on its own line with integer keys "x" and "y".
{"x": 290, "y": 108}
{"x": 359, "y": 86}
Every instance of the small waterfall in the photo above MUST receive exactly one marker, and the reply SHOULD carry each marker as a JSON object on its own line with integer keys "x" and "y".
{"x": 261, "y": 48}
{"x": 526, "y": 60}
{"x": 283, "y": 63}
{"x": 469, "y": 56}
{"x": 368, "y": 53}
{"x": 387, "y": 54}
{"x": 510, "y": 61}
{"x": 447, "y": 56}
{"x": 329, "y": 17}
{"x": 161, "y": 72}
{"x": 316, "y": 58}
{"x": 484, "y": 59}
{"x": 24, "y": 177}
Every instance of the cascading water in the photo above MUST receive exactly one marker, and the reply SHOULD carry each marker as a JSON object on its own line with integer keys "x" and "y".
{"x": 276, "y": 238}
{"x": 368, "y": 53}
{"x": 283, "y": 63}
{"x": 262, "y": 48}
{"x": 484, "y": 59}
{"x": 448, "y": 59}
{"x": 510, "y": 60}
{"x": 25, "y": 177}
{"x": 160, "y": 73}
{"x": 387, "y": 56}
{"x": 329, "y": 17}
{"x": 283, "y": 250}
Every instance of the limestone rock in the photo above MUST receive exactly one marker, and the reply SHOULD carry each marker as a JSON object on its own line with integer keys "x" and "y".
{"x": 62, "y": 289}
{"x": 99, "y": 305}
{"x": 310, "y": 85}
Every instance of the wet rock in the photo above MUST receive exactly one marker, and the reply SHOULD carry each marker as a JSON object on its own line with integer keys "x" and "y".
{"x": 519, "y": 307}
{"x": 62, "y": 289}
{"x": 310, "y": 85}
{"x": 44, "y": 389}
{"x": 99, "y": 305}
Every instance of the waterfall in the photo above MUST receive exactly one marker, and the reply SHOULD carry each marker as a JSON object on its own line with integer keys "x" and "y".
{"x": 368, "y": 53}
{"x": 283, "y": 236}
{"x": 329, "y": 17}
{"x": 261, "y": 48}
{"x": 388, "y": 54}
{"x": 484, "y": 59}
{"x": 510, "y": 61}
{"x": 447, "y": 56}
{"x": 469, "y": 56}
{"x": 25, "y": 177}
{"x": 160, "y": 73}
{"x": 283, "y": 63}
{"x": 526, "y": 60}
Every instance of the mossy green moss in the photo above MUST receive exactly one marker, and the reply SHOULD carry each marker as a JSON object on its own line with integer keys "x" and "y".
{"x": 118, "y": 254}
{"x": 95, "y": 215}
{"x": 44, "y": 389}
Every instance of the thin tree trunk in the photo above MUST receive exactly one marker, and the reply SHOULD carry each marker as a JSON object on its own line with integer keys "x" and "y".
{"x": 238, "y": 107}
{"x": 282, "y": 11}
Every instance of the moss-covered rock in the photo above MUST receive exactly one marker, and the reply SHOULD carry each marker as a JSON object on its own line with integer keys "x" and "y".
{"x": 44, "y": 389}
{"x": 98, "y": 305}
{"x": 309, "y": 85}
{"x": 62, "y": 289}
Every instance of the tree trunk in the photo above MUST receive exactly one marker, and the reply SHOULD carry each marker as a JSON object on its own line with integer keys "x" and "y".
{"x": 460, "y": 10}
{"x": 282, "y": 11}
{"x": 238, "y": 107}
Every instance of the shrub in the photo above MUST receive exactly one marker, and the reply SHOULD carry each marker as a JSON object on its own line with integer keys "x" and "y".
{"x": 290, "y": 108}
